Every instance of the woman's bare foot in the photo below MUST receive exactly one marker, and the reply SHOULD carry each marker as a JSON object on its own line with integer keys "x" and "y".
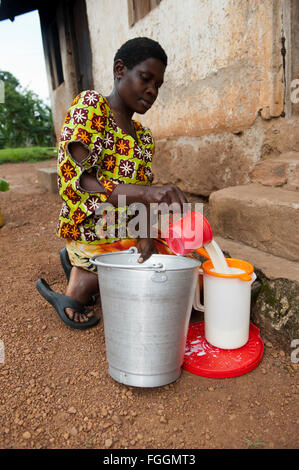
{"x": 82, "y": 285}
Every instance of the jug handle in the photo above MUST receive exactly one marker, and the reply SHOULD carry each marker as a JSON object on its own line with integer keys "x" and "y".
{"x": 196, "y": 302}
{"x": 248, "y": 277}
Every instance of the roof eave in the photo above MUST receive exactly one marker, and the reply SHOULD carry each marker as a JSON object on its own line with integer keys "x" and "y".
{"x": 10, "y": 9}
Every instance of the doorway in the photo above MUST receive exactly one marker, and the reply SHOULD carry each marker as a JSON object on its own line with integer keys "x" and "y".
{"x": 67, "y": 46}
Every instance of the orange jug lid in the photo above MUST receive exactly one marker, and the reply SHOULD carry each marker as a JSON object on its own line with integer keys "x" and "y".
{"x": 246, "y": 267}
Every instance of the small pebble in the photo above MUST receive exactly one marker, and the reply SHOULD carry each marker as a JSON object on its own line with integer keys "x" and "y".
{"x": 94, "y": 374}
{"x": 116, "y": 419}
{"x": 72, "y": 410}
{"x": 73, "y": 431}
{"x": 108, "y": 443}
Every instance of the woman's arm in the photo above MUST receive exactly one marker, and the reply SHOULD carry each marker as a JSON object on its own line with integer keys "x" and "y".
{"x": 87, "y": 182}
{"x": 133, "y": 192}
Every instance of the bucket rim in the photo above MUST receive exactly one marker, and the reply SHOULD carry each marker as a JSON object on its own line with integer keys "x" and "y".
{"x": 232, "y": 263}
{"x": 141, "y": 266}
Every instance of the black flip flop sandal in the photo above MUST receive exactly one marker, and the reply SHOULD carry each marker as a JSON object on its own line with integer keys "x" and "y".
{"x": 67, "y": 267}
{"x": 60, "y": 302}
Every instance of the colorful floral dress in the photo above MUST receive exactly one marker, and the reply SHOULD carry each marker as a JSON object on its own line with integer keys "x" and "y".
{"x": 114, "y": 158}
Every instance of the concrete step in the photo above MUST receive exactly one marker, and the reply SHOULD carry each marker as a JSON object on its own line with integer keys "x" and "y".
{"x": 262, "y": 217}
{"x": 275, "y": 293}
{"x": 279, "y": 171}
{"x": 47, "y": 177}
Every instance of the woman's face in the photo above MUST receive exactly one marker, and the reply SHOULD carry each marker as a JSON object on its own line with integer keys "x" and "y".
{"x": 139, "y": 87}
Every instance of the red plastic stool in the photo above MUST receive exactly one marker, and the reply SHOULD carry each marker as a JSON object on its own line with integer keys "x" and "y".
{"x": 201, "y": 358}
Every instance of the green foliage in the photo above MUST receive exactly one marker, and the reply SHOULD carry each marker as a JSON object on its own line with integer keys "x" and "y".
{"x": 4, "y": 185}
{"x": 27, "y": 154}
{"x": 255, "y": 444}
{"x": 25, "y": 119}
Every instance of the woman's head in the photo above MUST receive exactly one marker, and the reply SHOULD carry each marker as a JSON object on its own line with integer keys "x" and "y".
{"x": 139, "y": 67}
{"x": 137, "y": 50}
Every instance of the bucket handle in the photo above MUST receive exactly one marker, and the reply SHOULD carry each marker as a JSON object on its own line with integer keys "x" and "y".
{"x": 132, "y": 250}
{"x": 159, "y": 267}
{"x": 196, "y": 302}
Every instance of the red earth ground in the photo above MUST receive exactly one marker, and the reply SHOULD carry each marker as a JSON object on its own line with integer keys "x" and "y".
{"x": 55, "y": 390}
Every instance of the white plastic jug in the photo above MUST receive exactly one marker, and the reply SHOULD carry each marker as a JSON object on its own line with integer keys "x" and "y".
{"x": 226, "y": 306}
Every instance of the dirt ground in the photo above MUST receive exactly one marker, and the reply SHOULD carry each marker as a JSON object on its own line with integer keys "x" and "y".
{"x": 55, "y": 390}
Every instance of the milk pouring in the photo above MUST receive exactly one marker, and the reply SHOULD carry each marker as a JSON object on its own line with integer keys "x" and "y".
{"x": 217, "y": 257}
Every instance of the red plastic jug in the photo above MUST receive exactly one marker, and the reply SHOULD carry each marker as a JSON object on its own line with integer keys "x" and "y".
{"x": 188, "y": 233}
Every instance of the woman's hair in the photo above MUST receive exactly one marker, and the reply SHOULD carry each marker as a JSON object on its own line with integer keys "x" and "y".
{"x": 139, "y": 49}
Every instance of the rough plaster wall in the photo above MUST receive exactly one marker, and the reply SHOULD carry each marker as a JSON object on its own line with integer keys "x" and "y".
{"x": 224, "y": 78}
{"x": 201, "y": 165}
{"x": 224, "y": 61}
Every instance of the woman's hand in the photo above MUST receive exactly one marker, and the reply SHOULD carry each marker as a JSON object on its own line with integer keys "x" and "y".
{"x": 147, "y": 247}
{"x": 167, "y": 194}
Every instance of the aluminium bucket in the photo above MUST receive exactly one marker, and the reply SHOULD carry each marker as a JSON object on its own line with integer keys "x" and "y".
{"x": 146, "y": 312}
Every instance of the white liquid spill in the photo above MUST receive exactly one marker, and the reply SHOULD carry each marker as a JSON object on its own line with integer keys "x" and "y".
{"x": 217, "y": 257}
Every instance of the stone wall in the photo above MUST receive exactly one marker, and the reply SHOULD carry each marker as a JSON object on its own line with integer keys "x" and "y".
{"x": 223, "y": 81}
{"x": 202, "y": 165}
{"x": 224, "y": 57}
{"x": 275, "y": 309}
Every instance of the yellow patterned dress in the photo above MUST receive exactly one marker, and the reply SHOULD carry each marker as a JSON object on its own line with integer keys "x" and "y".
{"x": 114, "y": 158}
